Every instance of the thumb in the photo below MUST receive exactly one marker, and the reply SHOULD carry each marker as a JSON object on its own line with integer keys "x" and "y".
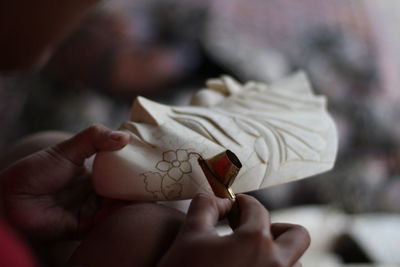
{"x": 90, "y": 141}
{"x": 204, "y": 213}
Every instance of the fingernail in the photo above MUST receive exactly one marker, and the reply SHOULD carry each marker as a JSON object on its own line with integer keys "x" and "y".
{"x": 117, "y": 135}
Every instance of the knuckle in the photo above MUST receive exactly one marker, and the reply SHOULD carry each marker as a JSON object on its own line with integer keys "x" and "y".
{"x": 304, "y": 233}
{"x": 259, "y": 239}
{"x": 95, "y": 128}
{"x": 205, "y": 199}
{"x": 95, "y": 132}
{"x": 208, "y": 202}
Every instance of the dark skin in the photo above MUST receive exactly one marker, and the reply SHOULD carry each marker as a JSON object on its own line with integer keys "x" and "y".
{"x": 153, "y": 235}
{"x": 254, "y": 241}
{"x": 48, "y": 194}
{"x": 48, "y": 197}
{"x": 135, "y": 235}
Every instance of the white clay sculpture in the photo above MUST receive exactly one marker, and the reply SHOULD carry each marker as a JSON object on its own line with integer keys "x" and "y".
{"x": 280, "y": 132}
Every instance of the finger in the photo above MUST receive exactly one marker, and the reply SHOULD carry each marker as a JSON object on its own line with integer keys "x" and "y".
{"x": 297, "y": 264}
{"x": 88, "y": 142}
{"x": 253, "y": 215}
{"x": 234, "y": 216}
{"x": 205, "y": 211}
{"x": 107, "y": 207}
{"x": 292, "y": 239}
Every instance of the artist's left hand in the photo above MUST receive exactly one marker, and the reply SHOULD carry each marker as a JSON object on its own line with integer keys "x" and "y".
{"x": 48, "y": 195}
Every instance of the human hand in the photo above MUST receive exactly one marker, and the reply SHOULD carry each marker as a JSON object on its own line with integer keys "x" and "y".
{"x": 254, "y": 242}
{"x": 48, "y": 195}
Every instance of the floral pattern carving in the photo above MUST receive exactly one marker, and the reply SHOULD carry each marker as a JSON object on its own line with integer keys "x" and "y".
{"x": 165, "y": 183}
{"x": 175, "y": 164}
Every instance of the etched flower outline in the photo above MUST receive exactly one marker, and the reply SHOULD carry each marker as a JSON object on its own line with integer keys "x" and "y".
{"x": 175, "y": 164}
{"x": 161, "y": 187}
{"x": 165, "y": 182}
{"x": 153, "y": 184}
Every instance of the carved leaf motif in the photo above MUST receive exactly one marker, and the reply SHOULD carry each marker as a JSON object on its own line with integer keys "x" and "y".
{"x": 231, "y": 84}
{"x": 217, "y": 85}
{"x": 287, "y": 122}
{"x": 247, "y": 128}
{"x": 279, "y": 132}
{"x": 261, "y": 149}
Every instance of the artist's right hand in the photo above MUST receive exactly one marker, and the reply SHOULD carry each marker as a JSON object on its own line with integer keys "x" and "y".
{"x": 254, "y": 241}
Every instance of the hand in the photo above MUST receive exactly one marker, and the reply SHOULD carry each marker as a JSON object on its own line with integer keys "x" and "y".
{"x": 48, "y": 195}
{"x": 254, "y": 242}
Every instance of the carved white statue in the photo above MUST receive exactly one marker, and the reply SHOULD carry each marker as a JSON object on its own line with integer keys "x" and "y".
{"x": 280, "y": 133}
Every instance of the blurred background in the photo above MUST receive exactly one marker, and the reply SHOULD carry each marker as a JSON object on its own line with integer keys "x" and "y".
{"x": 165, "y": 49}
